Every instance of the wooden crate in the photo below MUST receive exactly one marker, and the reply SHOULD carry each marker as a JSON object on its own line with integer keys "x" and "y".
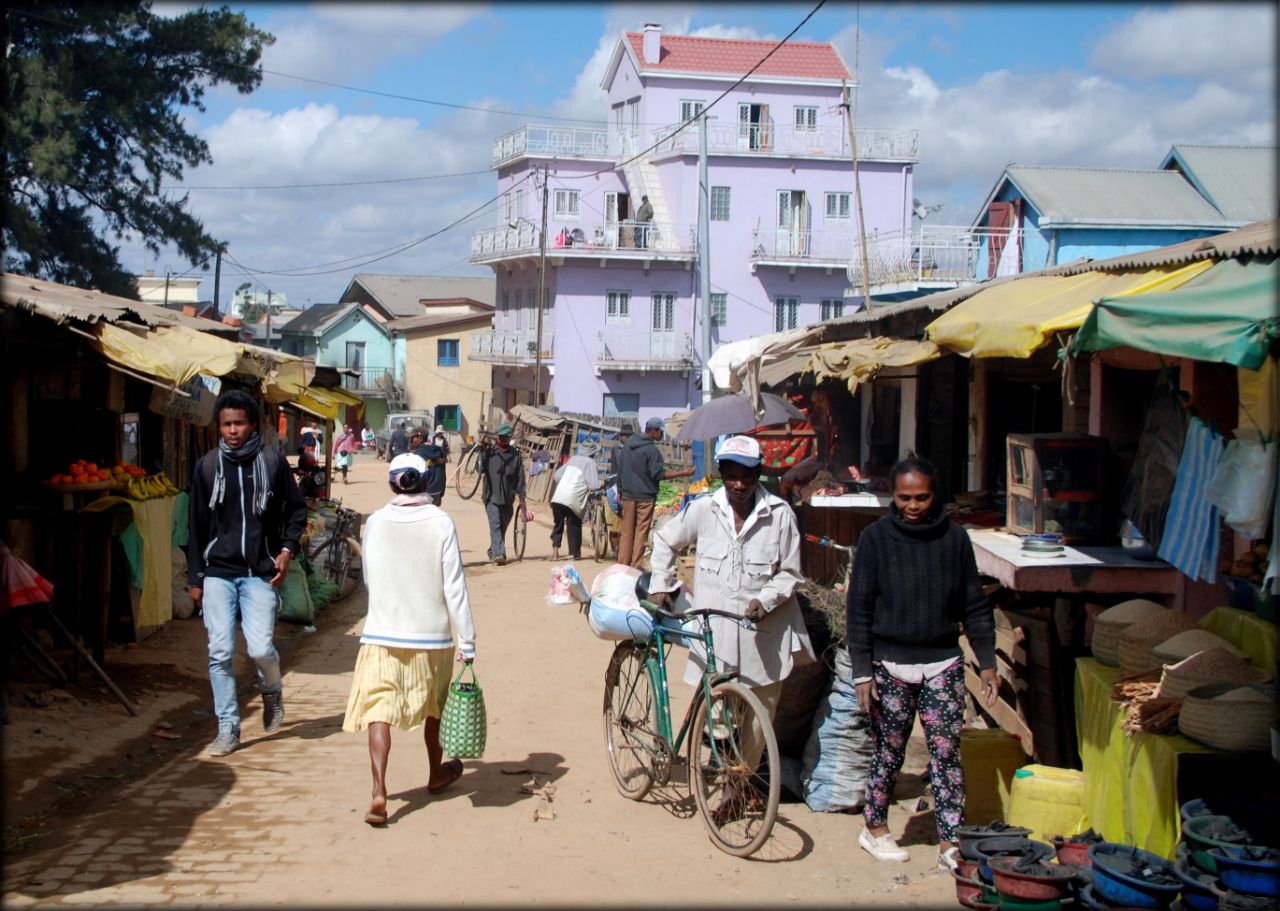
{"x": 1033, "y": 703}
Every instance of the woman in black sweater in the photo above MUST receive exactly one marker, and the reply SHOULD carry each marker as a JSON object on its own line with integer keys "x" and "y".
{"x": 915, "y": 583}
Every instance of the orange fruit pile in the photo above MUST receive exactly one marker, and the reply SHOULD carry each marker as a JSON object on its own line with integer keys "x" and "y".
{"x": 85, "y": 472}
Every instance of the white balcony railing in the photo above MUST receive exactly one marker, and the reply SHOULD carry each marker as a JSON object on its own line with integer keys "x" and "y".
{"x": 814, "y": 247}
{"x": 560, "y": 141}
{"x": 638, "y": 241}
{"x": 832, "y": 142}
{"x": 518, "y": 347}
{"x": 624, "y": 348}
{"x": 940, "y": 256}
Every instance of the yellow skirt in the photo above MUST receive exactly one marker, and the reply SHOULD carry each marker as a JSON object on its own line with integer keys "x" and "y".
{"x": 400, "y": 686}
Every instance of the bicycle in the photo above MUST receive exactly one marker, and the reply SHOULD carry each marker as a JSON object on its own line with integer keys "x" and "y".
{"x": 519, "y": 532}
{"x": 594, "y": 515}
{"x": 738, "y": 803}
{"x": 466, "y": 477}
{"x": 341, "y": 553}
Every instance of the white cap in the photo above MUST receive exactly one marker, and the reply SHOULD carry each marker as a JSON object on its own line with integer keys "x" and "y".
{"x": 743, "y": 450}
{"x": 405, "y": 461}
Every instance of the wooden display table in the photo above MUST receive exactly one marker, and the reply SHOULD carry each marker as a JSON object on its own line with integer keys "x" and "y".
{"x": 1102, "y": 570}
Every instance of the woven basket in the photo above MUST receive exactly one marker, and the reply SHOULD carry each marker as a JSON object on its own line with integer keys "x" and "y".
{"x": 1183, "y": 645}
{"x": 1229, "y": 724}
{"x": 1211, "y": 666}
{"x": 1139, "y": 638}
{"x": 1109, "y": 624}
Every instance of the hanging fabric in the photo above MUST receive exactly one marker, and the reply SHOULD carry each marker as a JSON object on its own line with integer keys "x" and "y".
{"x": 1149, "y": 488}
{"x": 1191, "y": 534}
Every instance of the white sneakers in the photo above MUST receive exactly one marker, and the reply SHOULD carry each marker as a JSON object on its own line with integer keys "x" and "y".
{"x": 882, "y": 847}
{"x": 949, "y": 860}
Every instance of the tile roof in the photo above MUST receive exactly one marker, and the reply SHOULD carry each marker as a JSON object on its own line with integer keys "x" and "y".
{"x": 733, "y": 56}
{"x": 1240, "y": 181}
{"x": 1093, "y": 196}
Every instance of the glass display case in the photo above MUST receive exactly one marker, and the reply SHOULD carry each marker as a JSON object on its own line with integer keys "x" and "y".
{"x": 1055, "y": 485}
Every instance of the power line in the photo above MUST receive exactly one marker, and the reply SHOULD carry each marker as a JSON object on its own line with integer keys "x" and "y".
{"x": 341, "y": 183}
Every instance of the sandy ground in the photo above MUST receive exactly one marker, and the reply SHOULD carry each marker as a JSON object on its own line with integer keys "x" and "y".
{"x": 100, "y": 810}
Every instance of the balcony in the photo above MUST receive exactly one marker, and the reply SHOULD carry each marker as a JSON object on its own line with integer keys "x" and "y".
{"x": 938, "y": 257}
{"x": 656, "y": 240}
{"x": 551, "y": 141}
{"x": 787, "y": 142}
{"x": 625, "y": 348}
{"x": 519, "y": 347}
{"x": 371, "y": 381}
{"x": 821, "y": 249}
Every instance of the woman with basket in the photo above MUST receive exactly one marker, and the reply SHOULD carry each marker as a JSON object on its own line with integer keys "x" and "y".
{"x": 417, "y": 593}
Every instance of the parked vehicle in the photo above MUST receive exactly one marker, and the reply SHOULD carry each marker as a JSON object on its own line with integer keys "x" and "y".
{"x": 412, "y": 419}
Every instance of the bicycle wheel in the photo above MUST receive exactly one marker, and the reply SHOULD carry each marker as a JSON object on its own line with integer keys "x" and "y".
{"x": 519, "y": 533}
{"x": 599, "y": 530}
{"x": 467, "y": 478}
{"x": 345, "y": 571}
{"x": 738, "y": 803}
{"x": 630, "y": 712}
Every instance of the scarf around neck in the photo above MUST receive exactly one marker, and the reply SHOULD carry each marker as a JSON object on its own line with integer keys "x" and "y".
{"x": 252, "y": 449}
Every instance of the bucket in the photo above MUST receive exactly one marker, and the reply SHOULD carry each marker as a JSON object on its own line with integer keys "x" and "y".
{"x": 990, "y": 757}
{"x": 1049, "y": 801}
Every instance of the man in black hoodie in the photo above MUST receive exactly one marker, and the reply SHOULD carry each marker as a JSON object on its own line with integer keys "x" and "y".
{"x": 641, "y": 468}
{"x": 247, "y": 516}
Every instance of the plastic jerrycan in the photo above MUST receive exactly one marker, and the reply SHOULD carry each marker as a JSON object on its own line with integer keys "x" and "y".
{"x": 1049, "y": 801}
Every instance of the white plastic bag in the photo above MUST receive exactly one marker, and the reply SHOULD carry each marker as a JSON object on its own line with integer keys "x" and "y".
{"x": 565, "y": 586}
{"x": 1243, "y": 484}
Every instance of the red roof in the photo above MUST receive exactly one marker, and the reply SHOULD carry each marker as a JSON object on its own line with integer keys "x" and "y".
{"x": 795, "y": 59}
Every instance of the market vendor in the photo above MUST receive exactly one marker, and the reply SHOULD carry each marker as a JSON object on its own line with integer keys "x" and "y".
{"x": 748, "y": 564}
{"x": 641, "y": 469}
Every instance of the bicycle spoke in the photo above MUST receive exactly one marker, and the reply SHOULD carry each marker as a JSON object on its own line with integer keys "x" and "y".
{"x": 629, "y": 712}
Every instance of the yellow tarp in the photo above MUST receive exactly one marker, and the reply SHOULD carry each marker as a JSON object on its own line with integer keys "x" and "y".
{"x": 1246, "y": 631}
{"x": 173, "y": 353}
{"x": 861, "y": 359}
{"x": 1016, "y": 318}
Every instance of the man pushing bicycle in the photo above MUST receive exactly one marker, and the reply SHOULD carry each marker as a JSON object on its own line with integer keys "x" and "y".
{"x": 749, "y": 565}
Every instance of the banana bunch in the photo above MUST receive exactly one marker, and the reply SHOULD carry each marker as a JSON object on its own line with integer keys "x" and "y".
{"x": 149, "y": 486}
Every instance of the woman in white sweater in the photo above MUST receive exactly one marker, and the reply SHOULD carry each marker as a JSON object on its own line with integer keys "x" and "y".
{"x": 418, "y": 607}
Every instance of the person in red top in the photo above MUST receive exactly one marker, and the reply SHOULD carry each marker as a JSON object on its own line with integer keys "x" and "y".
{"x": 344, "y": 447}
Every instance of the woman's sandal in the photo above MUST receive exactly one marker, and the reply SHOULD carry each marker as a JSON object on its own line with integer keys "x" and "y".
{"x": 454, "y": 769}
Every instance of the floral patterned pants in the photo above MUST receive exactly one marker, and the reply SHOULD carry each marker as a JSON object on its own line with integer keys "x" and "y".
{"x": 941, "y": 704}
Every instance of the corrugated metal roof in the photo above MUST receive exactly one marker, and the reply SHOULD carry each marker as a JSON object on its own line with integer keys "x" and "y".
{"x": 1261, "y": 238}
{"x": 440, "y": 320}
{"x": 1240, "y": 181}
{"x": 402, "y": 294}
{"x": 313, "y": 319}
{"x": 63, "y": 302}
{"x": 1102, "y": 196}
{"x": 689, "y": 54}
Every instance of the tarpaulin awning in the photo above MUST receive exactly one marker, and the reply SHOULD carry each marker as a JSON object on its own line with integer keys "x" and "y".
{"x": 1017, "y": 318}
{"x": 858, "y": 360}
{"x": 731, "y": 360}
{"x": 1227, "y": 314}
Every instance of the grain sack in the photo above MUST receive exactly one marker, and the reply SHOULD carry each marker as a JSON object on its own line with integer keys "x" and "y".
{"x": 1214, "y": 665}
{"x": 1137, "y": 639}
{"x": 1109, "y": 624}
{"x": 1189, "y": 642}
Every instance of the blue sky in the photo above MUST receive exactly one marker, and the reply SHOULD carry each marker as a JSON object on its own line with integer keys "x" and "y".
{"x": 1110, "y": 85}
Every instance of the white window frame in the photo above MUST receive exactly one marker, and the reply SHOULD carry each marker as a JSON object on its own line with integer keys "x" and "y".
{"x": 719, "y": 308}
{"x": 566, "y": 205}
{"x": 618, "y": 307}
{"x": 510, "y": 198}
{"x": 839, "y": 207}
{"x": 805, "y": 118}
{"x": 664, "y": 305}
{"x": 519, "y": 302}
{"x": 831, "y": 308}
{"x": 690, "y": 107}
{"x": 786, "y": 313}
{"x": 719, "y": 204}
{"x": 506, "y": 308}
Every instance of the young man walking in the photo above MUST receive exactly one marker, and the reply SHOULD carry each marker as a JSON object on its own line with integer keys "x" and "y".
{"x": 247, "y": 516}
{"x": 502, "y": 471}
{"x": 641, "y": 469}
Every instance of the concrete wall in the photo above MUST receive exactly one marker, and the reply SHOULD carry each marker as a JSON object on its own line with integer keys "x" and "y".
{"x": 356, "y": 326}
{"x": 430, "y": 384}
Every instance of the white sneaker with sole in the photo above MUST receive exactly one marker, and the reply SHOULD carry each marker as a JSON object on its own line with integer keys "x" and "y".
{"x": 949, "y": 860}
{"x": 882, "y": 847}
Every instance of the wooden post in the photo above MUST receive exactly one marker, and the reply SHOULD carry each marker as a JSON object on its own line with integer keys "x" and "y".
{"x": 97, "y": 669}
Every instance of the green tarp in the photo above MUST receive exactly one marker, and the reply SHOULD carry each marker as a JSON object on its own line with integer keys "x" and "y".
{"x": 1227, "y": 315}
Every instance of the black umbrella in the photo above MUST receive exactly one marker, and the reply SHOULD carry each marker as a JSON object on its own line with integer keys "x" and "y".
{"x": 736, "y": 414}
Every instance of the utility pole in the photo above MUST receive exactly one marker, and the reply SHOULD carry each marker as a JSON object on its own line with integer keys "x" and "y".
{"x": 166, "y": 287}
{"x": 850, "y": 111}
{"x": 268, "y": 317}
{"x": 704, "y": 255}
{"x": 542, "y": 291}
{"x": 217, "y": 284}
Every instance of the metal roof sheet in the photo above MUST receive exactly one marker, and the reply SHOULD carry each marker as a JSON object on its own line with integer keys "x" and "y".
{"x": 1240, "y": 181}
{"x": 63, "y": 302}
{"x": 313, "y": 319}
{"x": 440, "y": 320}
{"x": 1102, "y": 196}
{"x": 1262, "y": 238}
{"x": 402, "y": 295}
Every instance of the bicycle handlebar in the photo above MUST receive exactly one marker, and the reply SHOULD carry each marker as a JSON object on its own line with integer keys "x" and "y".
{"x": 742, "y": 621}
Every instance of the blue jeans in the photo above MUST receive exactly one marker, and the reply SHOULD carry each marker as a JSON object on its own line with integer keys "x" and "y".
{"x": 499, "y": 518}
{"x": 255, "y": 602}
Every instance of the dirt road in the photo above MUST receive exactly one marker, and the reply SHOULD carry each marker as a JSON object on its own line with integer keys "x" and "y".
{"x": 536, "y": 822}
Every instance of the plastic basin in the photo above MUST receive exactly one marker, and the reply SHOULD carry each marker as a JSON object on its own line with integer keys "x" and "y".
{"x": 968, "y": 888}
{"x": 1075, "y": 853}
{"x": 967, "y": 837}
{"x": 1009, "y": 846}
{"x": 1047, "y": 885}
{"x": 1197, "y": 886}
{"x": 1251, "y": 875}
{"x": 1114, "y": 881}
{"x": 1202, "y": 845}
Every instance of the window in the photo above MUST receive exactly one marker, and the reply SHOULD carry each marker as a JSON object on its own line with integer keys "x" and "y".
{"x": 832, "y": 307}
{"x": 450, "y": 416}
{"x": 690, "y": 109}
{"x": 786, "y": 313}
{"x": 719, "y": 203}
{"x": 519, "y": 309}
{"x": 505, "y": 300}
{"x": 719, "y": 309}
{"x": 566, "y": 203}
{"x": 621, "y": 404}
{"x": 838, "y": 207}
{"x": 806, "y": 119}
{"x": 509, "y": 200}
{"x": 664, "y": 312}
{"x": 619, "y": 310}
{"x": 447, "y": 352}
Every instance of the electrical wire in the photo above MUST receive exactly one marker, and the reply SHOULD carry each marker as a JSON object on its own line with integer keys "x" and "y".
{"x": 340, "y": 183}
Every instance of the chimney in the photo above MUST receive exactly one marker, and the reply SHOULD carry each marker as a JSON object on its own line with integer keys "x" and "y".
{"x": 652, "y": 41}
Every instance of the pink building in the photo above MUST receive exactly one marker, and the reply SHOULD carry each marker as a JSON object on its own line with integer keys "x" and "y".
{"x": 622, "y": 320}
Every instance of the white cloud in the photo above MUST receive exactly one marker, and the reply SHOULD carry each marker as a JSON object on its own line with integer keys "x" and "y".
{"x": 1232, "y": 43}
